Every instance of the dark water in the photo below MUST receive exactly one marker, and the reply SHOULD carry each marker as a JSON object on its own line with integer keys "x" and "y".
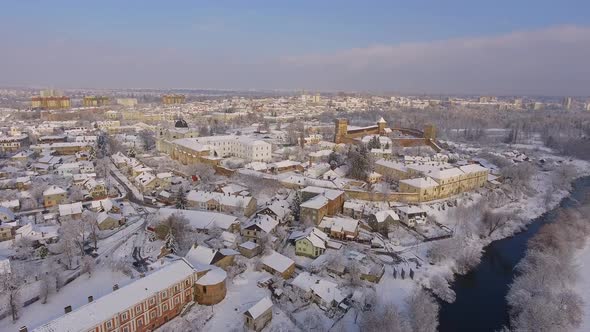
{"x": 481, "y": 303}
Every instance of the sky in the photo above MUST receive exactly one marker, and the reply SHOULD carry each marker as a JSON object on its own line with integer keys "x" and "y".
{"x": 518, "y": 47}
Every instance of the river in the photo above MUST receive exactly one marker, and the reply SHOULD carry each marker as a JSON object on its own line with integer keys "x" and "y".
{"x": 481, "y": 294}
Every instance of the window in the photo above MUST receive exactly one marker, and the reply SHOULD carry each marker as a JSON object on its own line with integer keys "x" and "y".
{"x": 138, "y": 309}
{"x": 152, "y": 301}
{"x": 140, "y": 322}
{"x": 109, "y": 325}
{"x": 125, "y": 329}
{"x": 164, "y": 295}
{"x": 177, "y": 300}
{"x": 153, "y": 314}
{"x": 124, "y": 316}
{"x": 165, "y": 307}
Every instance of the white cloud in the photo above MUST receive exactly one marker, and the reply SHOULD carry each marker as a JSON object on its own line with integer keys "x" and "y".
{"x": 547, "y": 61}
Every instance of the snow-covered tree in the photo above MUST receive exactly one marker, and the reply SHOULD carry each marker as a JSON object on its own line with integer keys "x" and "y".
{"x": 422, "y": 311}
{"x": 180, "y": 199}
{"x": 170, "y": 243}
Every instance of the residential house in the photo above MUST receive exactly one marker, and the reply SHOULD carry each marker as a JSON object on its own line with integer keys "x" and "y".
{"x": 353, "y": 209}
{"x": 323, "y": 292}
{"x": 249, "y": 249}
{"x": 278, "y": 210}
{"x": 382, "y": 220}
{"x": 222, "y": 258}
{"x": 106, "y": 220}
{"x": 411, "y": 215}
{"x": 97, "y": 189}
{"x": 312, "y": 245}
{"x": 37, "y": 233}
{"x": 258, "y": 226}
{"x": 146, "y": 182}
{"x": 320, "y": 202}
{"x": 259, "y": 315}
{"x": 53, "y": 196}
{"x": 73, "y": 210}
{"x": 68, "y": 169}
{"x": 214, "y": 201}
{"x": 278, "y": 264}
{"x": 202, "y": 220}
{"x": 340, "y": 227}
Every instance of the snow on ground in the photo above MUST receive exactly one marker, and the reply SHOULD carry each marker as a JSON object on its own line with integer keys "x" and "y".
{"x": 75, "y": 294}
{"x": 242, "y": 293}
{"x": 582, "y": 286}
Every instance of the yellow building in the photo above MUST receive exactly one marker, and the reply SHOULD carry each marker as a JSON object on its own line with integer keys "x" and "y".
{"x": 54, "y": 196}
{"x": 173, "y": 99}
{"x": 437, "y": 184}
{"x": 50, "y": 103}
{"x": 95, "y": 101}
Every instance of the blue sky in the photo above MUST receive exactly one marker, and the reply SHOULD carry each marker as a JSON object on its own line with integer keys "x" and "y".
{"x": 248, "y": 38}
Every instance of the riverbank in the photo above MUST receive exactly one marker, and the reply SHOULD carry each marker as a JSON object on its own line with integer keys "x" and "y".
{"x": 480, "y": 303}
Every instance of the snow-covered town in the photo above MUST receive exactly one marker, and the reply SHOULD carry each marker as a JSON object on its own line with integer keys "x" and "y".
{"x": 190, "y": 222}
{"x": 274, "y": 166}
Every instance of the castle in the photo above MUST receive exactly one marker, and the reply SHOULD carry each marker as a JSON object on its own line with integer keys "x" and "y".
{"x": 413, "y": 137}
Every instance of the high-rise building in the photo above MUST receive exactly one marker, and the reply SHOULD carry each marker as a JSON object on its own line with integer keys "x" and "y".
{"x": 567, "y": 103}
{"x": 173, "y": 99}
{"x": 50, "y": 100}
{"x": 95, "y": 101}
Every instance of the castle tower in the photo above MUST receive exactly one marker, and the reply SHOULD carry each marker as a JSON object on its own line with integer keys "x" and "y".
{"x": 429, "y": 131}
{"x": 341, "y": 130}
{"x": 381, "y": 124}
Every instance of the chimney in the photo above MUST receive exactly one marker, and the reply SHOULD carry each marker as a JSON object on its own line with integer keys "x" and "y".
{"x": 115, "y": 287}
{"x": 90, "y": 298}
{"x": 23, "y": 329}
{"x": 68, "y": 309}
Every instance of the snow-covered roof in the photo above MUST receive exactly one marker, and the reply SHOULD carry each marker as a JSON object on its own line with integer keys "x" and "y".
{"x": 212, "y": 277}
{"x": 339, "y": 224}
{"x": 249, "y": 245}
{"x": 259, "y": 308}
{"x": 279, "y": 208}
{"x": 316, "y": 202}
{"x": 381, "y": 216}
{"x": 411, "y": 209}
{"x": 70, "y": 209}
{"x": 200, "y": 219}
{"x": 473, "y": 168}
{"x": 221, "y": 198}
{"x": 265, "y": 222}
{"x": 53, "y": 190}
{"x": 329, "y": 193}
{"x": 100, "y": 310}
{"x": 277, "y": 261}
{"x": 392, "y": 164}
{"x": 423, "y": 183}
{"x": 200, "y": 254}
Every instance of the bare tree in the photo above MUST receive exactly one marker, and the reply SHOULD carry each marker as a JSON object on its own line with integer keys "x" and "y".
{"x": 493, "y": 221}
